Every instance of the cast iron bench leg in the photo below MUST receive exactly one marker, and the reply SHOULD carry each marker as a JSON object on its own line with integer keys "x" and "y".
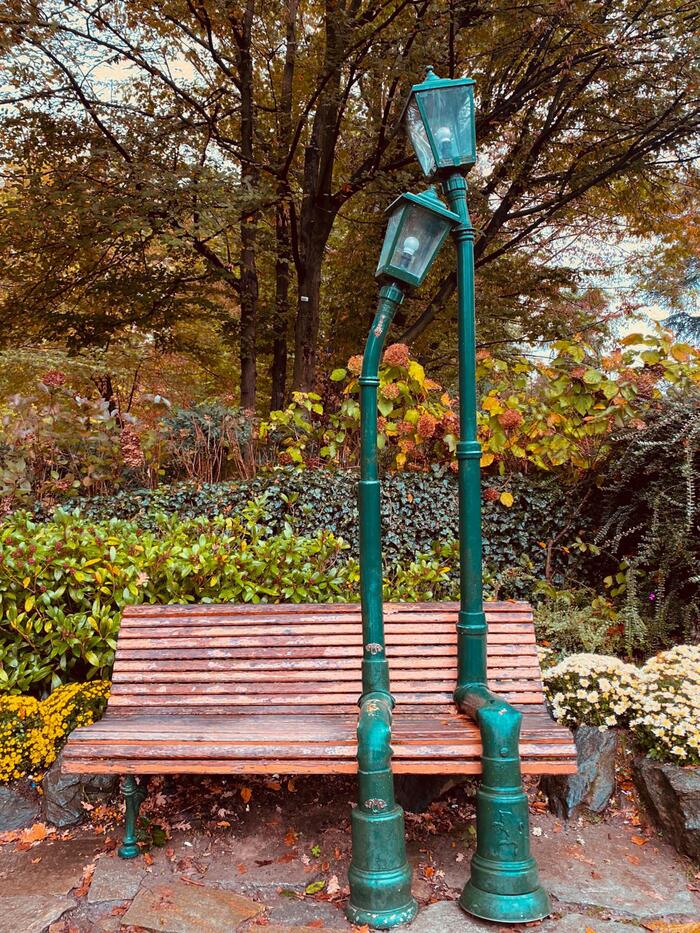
{"x": 134, "y": 795}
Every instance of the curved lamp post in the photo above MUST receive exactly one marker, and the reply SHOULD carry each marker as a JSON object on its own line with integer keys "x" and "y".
{"x": 379, "y": 875}
{"x": 504, "y": 884}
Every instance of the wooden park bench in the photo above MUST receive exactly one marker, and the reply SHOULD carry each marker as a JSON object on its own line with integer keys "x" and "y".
{"x": 228, "y": 689}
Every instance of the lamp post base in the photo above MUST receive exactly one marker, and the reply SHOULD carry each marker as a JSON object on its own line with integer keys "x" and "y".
{"x": 379, "y": 875}
{"x": 505, "y": 908}
{"x": 382, "y": 919}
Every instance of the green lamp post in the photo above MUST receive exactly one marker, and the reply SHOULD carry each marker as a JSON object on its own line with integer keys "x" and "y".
{"x": 379, "y": 875}
{"x": 504, "y": 884}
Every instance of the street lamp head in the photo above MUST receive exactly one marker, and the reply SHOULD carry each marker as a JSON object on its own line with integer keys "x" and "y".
{"x": 440, "y": 123}
{"x": 418, "y": 225}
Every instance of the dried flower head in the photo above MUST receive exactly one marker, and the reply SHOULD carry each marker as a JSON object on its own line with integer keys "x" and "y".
{"x": 54, "y": 378}
{"x": 397, "y": 355}
{"x": 510, "y": 418}
{"x": 390, "y": 391}
{"x": 355, "y": 364}
{"x": 426, "y": 426}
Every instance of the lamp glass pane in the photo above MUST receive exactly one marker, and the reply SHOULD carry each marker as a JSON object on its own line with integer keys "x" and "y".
{"x": 419, "y": 239}
{"x": 419, "y": 137}
{"x": 389, "y": 237}
{"x": 450, "y": 122}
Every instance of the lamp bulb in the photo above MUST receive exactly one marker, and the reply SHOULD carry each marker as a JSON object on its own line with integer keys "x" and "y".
{"x": 410, "y": 245}
{"x": 443, "y": 135}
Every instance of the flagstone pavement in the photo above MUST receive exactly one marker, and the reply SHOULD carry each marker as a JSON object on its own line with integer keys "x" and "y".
{"x": 251, "y": 856}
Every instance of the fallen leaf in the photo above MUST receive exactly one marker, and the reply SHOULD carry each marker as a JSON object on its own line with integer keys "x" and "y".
{"x": 246, "y": 794}
{"x": 639, "y": 840}
{"x": 291, "y": 786}
{"x": 291, "y": 838}
{"x": 316, "y": 924}
{"x": 242, "y": 868}
{"x": 88, "y": 872}
{"x": 148, "y": 858}
{"x": 332, "y": 887}
{"x": 315, "y": 887}
{"x": 36, "y": 833}
{"x": 273, "y": 785}
{"x": 660, "y": 926}
{"x": 633, "y": 859}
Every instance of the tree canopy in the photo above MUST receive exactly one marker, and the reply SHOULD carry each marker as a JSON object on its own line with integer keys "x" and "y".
{"x": 190, "y": 166}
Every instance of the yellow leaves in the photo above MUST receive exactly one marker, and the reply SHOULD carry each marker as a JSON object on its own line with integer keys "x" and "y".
{"x": 416, "y": 372}
{"x": 487, "y": 459}
{"x": 492, "y": 405}
{"x": 506, "y": 498}
{"x": 29, "y": 604}
{"x": 26, "y": 581}
{"x": 681, "y": 352}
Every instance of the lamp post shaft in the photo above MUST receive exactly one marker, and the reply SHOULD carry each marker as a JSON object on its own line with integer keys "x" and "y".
{"x": 471, "y": 624}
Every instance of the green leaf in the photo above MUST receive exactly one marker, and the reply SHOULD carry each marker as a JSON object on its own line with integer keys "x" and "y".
{"x": 314, "y": 887}
{"x": 338, "y": 375}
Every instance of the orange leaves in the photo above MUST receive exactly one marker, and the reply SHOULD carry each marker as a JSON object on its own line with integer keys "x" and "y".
{"x": 246, "y": 794}
{"x": 88, "y": 872}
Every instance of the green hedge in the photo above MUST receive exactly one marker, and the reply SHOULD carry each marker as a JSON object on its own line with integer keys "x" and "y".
{"x": 419, "y": 509}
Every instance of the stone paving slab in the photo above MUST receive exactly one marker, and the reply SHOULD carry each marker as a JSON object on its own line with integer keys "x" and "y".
{"x": 52, "y": 868}
{"x": 116, "y": 879}
{"x": 189, "y": 908}
{"x": 448, "y": 917}
{"x": 611, "y": 872}
{"x": 294, "y": 911}
{"x": 31, "y": 913}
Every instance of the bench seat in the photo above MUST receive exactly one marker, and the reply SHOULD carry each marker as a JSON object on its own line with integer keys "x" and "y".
{"x": 229, "y": 689}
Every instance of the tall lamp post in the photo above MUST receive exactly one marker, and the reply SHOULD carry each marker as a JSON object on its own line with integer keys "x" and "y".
{"x": 379, "y": 875}
{"x": 504, "y": 884}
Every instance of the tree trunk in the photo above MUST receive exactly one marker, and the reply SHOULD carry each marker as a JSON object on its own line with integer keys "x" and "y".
{"x": 318, "y": 207}
{"x": 249, "y": 179}
{"x": 279, "y": 343}
{"x": 282, "y": 220}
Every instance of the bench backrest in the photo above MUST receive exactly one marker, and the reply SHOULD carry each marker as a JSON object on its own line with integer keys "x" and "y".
{"x": 214, "y": 658}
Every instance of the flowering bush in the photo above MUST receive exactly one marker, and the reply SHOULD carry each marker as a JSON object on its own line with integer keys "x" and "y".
{"x": 32, "y": 731}
{"x": 666, "y": 706}
{"x": 417, "y": 423}
{"x": 561, "y": 413}
{"x": 591, "y": 690}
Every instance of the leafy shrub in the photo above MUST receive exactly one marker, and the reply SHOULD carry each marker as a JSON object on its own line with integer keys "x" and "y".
{"x": 666, "y": 704}
{"x": 63, "y": 583}
{"x": 561, "y": 414}
{"x": 649, "y": 519}
{"x": 590, "y": 689}
{"x": 32, "y": 732}
{"x": 58, "y": 442}
{"x": 577, "y": 620}
{"x": 208, "y": 442}
{"x": 417, "y": 423}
